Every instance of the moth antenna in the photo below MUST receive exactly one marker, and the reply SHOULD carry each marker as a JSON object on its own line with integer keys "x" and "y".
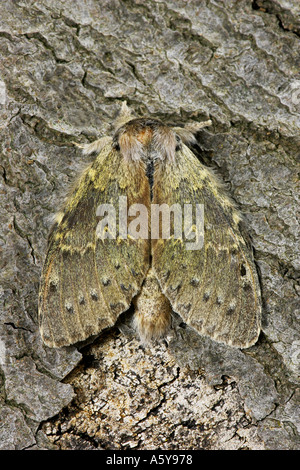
{"x": 94, "y": 147}
{"x": 124, "y": 116}
{"x": 186, "y": 136}
{"x": 187, "y": 133}
{"x": 194, "y": 127}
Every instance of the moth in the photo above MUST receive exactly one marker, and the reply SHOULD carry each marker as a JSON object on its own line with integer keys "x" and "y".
{"x": 95, "y": 268}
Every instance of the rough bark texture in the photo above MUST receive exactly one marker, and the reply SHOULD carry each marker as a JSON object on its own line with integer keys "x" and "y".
{"x": 65, "y": 68}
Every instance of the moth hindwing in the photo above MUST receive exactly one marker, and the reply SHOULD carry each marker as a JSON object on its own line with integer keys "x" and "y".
{"x": 97, "y": 263}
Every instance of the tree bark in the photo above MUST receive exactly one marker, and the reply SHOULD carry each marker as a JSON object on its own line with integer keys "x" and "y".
{"x": 65, "y": 69}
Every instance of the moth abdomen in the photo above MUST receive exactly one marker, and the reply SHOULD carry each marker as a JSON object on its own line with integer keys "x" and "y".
{"x": 152, "y": 316}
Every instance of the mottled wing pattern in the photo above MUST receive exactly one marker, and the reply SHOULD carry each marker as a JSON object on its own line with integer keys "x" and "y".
{"x": 86, "y": 281}
{"x": 214, "y": 289}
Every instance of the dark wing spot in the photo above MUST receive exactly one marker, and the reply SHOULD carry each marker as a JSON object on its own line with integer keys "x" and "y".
{"x": 94, "y": 296}
{"x": 175, "y": 288}
{"x": 166, "y": 275}
{"x": 70, "y": 309}
{"x": 230, "y": 310}
{"x": 53, "y": 286}
{"x": 117, "y": 308}
{"x": 124, "y": 288}
{"x": 194, "y": 282}
{"x": 187, "y": 307}
{"x": 247, "y": 287}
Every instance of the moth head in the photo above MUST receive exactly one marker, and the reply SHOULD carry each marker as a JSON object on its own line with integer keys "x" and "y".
{"x": 146, "y": 139}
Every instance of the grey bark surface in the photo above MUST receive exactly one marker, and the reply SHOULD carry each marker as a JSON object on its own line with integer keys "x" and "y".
{"x": 65, "y": 69}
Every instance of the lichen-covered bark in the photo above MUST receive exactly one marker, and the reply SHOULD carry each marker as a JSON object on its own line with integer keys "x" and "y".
{"x": 65, "y": 68}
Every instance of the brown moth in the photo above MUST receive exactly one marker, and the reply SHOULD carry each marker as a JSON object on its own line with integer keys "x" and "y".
{"x": 95, "y": 267}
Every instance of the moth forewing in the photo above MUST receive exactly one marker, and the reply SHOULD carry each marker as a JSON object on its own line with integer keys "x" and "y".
{"x": 215, "y": 289}
{"x": 88, "y": 281}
